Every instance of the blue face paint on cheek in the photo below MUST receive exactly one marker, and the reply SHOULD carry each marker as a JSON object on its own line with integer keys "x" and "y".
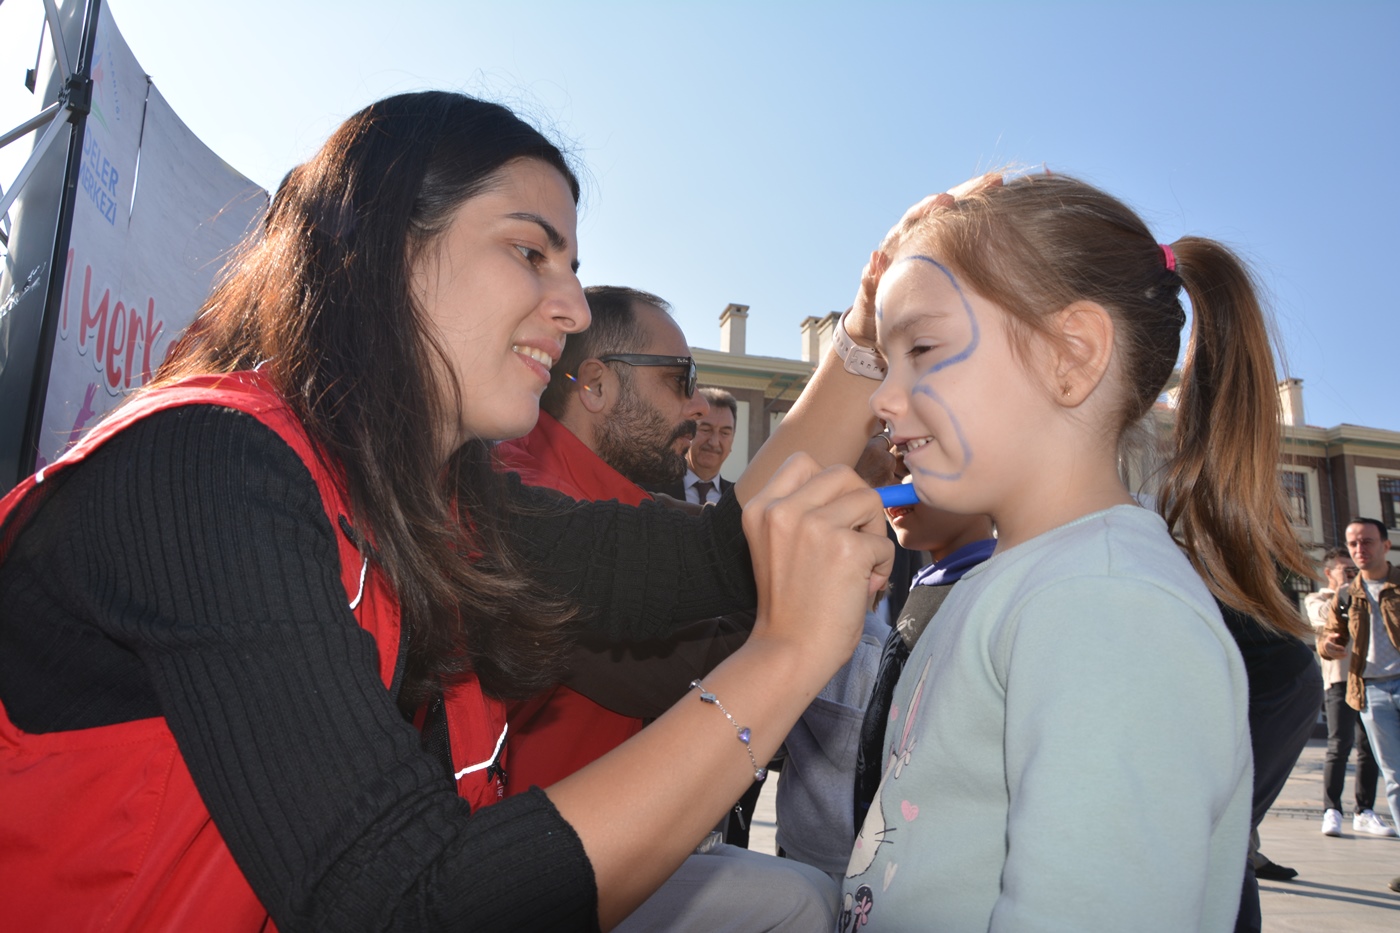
{"x": 922, "y": 388}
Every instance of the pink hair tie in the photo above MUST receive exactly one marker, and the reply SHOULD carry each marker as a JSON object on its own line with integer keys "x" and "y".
{"x": 1169, "y": 256}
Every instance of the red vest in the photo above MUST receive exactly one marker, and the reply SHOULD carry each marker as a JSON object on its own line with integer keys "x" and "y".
{"x": 557, "y": 732}
{"x": 103, "y": 828}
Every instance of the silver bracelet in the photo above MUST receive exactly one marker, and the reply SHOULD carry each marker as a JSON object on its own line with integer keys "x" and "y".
{"x": 744, "y": 733}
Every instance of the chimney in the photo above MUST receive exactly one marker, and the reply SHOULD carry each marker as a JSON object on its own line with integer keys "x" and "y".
{"x": 824, "y": 328}
{"x": 1290, "y": 402}
{"x": 732, "y": 321}
{"x": 811, "y": 340}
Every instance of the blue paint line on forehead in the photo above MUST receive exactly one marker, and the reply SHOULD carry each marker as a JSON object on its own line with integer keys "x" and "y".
{"x": 921, "y": 388}
{"x": 966, "y": 351}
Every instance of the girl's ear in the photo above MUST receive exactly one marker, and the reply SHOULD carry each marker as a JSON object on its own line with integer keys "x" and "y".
{"x": 1083, "y": 351}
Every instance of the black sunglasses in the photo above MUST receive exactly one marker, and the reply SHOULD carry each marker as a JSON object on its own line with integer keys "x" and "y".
{"x": 653, "y": 359}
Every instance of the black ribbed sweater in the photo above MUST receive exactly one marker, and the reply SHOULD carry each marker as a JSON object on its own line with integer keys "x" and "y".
{"x": 188, "y": 570}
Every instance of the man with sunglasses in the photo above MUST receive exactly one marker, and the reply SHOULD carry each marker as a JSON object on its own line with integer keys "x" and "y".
{"x": 625, "y": 387}
{"x": 620, "y": 410}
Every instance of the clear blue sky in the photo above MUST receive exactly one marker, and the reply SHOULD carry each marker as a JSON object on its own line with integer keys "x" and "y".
{"x": 755, "y": 152}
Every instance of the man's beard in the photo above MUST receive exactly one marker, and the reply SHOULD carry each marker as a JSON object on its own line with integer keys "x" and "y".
{"x": 637, "y": 442}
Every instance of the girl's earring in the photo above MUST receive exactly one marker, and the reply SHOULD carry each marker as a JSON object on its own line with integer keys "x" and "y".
{"x": 1065, "y": 390}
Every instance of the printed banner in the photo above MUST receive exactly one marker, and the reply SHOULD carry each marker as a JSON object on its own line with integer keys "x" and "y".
{"x": 156, "y": 216}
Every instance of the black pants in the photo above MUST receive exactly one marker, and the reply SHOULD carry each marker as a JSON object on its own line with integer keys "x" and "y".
{"x": 1280, "y": 721}
{"x": 1344, "y": 731}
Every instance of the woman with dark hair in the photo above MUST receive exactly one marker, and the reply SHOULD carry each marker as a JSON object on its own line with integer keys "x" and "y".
{"x": 223, "y": 614}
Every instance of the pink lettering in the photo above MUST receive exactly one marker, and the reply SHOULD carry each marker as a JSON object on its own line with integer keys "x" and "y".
{"x": 118, "y": 330}
{"x": 93, "y": 320}
{"x": 148, "y": 332}
{"x": 116, "y": 338}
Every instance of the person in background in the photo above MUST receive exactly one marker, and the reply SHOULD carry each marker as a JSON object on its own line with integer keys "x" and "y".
{"x": 1284, "y": 684}
{"x": 702, "y": 485}
{"x": 619, "y": 410}
{"x": 714, "y": 439}
{"x": 835, "y": 753}
{"x": 956, "y": 543}
{"x": 1344, "y": 728}
{"x": 620, "y": 405}
{"x": 1368, "y": 618}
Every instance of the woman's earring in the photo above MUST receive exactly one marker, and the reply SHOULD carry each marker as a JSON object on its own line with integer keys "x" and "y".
{"x": 1065, "y": 390}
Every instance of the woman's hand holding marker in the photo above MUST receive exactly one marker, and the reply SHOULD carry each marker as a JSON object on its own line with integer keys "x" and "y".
{"x": 819, "y": 550}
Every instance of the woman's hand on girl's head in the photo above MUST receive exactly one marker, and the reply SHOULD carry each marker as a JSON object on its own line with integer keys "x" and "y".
{"x": 860, "y": 323}
{"x": 940, "y": 201}
{"x": 819, "y": 551}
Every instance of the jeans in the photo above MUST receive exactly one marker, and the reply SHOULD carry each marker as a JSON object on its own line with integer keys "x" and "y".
{"x": 1344, "y": 725}
{"x": 1382, "y": 719}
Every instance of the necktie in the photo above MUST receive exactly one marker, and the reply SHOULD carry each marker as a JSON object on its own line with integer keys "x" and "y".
{"x": 703, "y": 487}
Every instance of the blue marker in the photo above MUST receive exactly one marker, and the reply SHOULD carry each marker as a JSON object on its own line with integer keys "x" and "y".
{"x": 892, "y": 497}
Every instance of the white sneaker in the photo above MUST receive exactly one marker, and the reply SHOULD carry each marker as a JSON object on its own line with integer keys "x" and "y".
{"x": 1332, "y": 823}
{"x": 1367, "y": 822}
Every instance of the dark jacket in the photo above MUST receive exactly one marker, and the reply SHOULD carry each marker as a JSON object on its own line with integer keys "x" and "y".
{"x": 676, "y": 490}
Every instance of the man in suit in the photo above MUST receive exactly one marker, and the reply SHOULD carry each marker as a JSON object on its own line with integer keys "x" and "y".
{"x": 714, "y": 439}
{"x": 620, "y": 410}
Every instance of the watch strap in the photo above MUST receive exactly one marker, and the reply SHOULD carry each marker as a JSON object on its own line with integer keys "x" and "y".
{"x": 862, "y": 361}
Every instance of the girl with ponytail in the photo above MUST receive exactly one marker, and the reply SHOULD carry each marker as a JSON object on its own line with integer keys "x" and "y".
{"x": 1069, "y": 745}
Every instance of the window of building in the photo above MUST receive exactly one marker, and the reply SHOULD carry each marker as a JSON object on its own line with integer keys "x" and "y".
{"x": 1390, "y": 500}
{"x": 1295, "y": 586}
{"x": 1295, "y": 492}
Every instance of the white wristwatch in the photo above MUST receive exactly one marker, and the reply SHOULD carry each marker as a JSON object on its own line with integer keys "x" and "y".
{"x": 863, "y": 361}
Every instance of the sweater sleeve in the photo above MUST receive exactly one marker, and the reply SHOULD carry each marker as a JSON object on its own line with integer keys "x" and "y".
{"x": 1090, "y": 743}
{"x": 1319, "y": 606}
{"x": 637, "y": 571}
{"x": 199, "y": 547}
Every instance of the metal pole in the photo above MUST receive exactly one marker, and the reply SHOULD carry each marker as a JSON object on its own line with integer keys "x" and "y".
{"x": 41, "y": 147}
{"x": 79, "y": 93}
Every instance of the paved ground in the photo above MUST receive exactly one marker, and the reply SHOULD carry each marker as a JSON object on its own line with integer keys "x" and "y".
{"x": 1341, "y": 883}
